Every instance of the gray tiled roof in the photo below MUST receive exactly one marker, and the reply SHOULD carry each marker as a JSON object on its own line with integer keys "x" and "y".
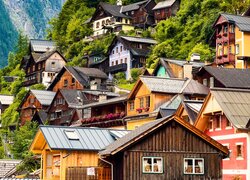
{"x": 73, "y": 97}
{"x": 6, "y": 99}
{"x": 44, "y": 97}
{"x": 139, "y": 39}
{"x": 165, "y": 85}
{"x": 113, "y": 10}
{"x": 38, "y": 45}
{"x": 235, "y": 104}
{"x": 230, "y": 77}
{"x": 91, "y": 72}
{"x": 92, "y": 139}
{"x": 97, "y": 93}
{"x": 193, "y": 87}
{"x": 243, "y": 22}
{"x": 164, "y": 4}
{"x": 134, "y": 6}
{"x": 6, "y": 165}
{"x": 46, "y": 55}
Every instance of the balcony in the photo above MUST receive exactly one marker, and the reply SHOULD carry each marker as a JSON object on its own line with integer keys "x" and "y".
{"x": 117, "y": 68}
{"x": 30, "y": 82}
{"x": 225, "y": 37}
{"x": 225, "y": 58}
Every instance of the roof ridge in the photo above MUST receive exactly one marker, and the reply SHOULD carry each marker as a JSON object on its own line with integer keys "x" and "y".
{"x": 229, "y": 89}
{"x": 80, "y": 127}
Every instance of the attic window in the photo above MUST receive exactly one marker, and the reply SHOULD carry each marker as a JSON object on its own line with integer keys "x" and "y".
{"x": 71, "y": 135}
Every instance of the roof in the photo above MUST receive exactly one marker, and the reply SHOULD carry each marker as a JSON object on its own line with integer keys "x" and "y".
{"x": 97, "y": 93}
{"x": 133, "y": 6}
{"x": 6, "y": 165}
{"x": 164, "y": 85}
{"x": 182, "y": 62}
{"x": 78, "y": 138}
{"x": 73, "y": 97}
{"x": 43, "y": 96}
{"x": 139, "y": 39}
{"x": 139, "y": 133}
{"x": 192, "y": 108}
{"x": 235, "y": 104}
{"x": 243, "y": 22}
{"x": 164, "y": 4}
{"x": 38, "y": 45}
{"x": 6, "y": 99}
{"x": 47, "y": 54}
{"x": 229, "y": 77}
{"x": 113, "y": 10}
{"x": 193, "y": 87}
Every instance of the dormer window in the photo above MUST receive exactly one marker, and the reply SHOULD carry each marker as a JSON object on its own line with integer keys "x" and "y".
{"x": 71, "y": 135}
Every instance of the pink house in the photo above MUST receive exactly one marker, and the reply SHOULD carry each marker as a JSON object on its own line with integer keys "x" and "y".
{"x": 225, "y": 116}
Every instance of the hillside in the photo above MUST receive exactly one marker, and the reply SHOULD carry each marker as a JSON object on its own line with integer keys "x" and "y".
{"x": 30, "y": 17}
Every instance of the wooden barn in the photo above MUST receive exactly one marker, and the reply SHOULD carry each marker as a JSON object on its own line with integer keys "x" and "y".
{"x": 72, "y": 153}
{"x": 168, "y": 148}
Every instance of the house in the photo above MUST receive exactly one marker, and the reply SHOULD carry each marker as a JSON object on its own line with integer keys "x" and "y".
{"x": 5, "y": 102}
{"x": 152, "y": 94}
{"x": 106, "y": 114}
{"x": 224, "y": 116}
{"x": 66, "y": 107}
{"x": 7, "y": 165}
{"x": 108, "y": 17}
{"x": 34, "y": 100}
{"x": 232, "y": 40}
{"x": 70, "y": 152}
{"x": 223, "y": 77}
{"x": 42, "y": 68}
{"x": 126, "y": 52}
{"x": 79, "y": 78}
{"x": 168, "y": 148}
{"x": 173, "y": 68}
{"x": 141, "y": 13}
{"x": 165, "y": 9}
{"x": 97, "y": 60}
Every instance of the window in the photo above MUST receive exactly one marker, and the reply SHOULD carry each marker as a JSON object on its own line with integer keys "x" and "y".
{"x": 239, "y": 150}
{"x": 142, "y": 60}
{"x": 205, "y": 82}
{"x": 210, "y": 125}
{"x": 152, "y": 165}
{"x": 193, "y": 166}
{"x": 141, "y": 102}
{"x": 230, "y": 49}
{"x": 225, "y": 29}
{"x": 103, "y": 23}
{"x": 32, "y": 100}
{"x": 120, "y": 48}
{"x": 218, "y": 122}
{"x": 116, "y": 62}
{"x": 126, "y": 21}
{"x": 112, "y": 63}
{"x": 121, "y": 61}
{"x": 116, "y": 49}
{"x": 65, "y": 82}
{"x": 97, "y": 25}
{"x": 125, "y": 60}
{"x": 132, "y": 12}
{"x": 113, "y": 52}
{"x": 87, "y": 113}
{"x": 53, "y": 64}
{"x": 232, "y": 28}
{"x": 237, "y": 49}
{"x": 211, "y": 82}
{"x": 73, "y": 81}
{"x": 39, "y": 66}
{"x": 71, "y": 135}
{"x": 227, "y": 146}
{"x": 148, "y": 101}
{"x": 228, "y": 124}
{"x": 33, "y": 68}
{"x": 131, "y": 105}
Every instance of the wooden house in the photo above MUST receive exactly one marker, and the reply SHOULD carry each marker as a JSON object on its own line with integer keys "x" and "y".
{"x": 173, "y": 68}
{"x": 98, "y": 61}
{"x": 232, "y": 39}
{"x": 224, "y": 116}
{"x": 79, "y": 78}
{"x": 5, "y": 102}
{"x": 153, "y": 94}
{"x": 106, "y": 113}
{"x": 126, "y": 52}
{"x": 223, "y": 77}
{"x": 108, "y": 17}
{"x": 168, "y": 148}
{"x": 34, "y": 100}
{"x": 165, "y": 9}
{"x": 72, "y": 153}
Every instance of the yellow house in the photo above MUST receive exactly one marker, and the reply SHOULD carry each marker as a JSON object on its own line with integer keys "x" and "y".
{"x": 72, "y": 152}
{"x": 232, "y": 41}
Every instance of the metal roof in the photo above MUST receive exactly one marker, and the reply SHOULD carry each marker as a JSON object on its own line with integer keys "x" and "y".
{"x": 165, "y": 85}
{"x": 243, "y": 22}
{"x": 164, "y": 4}
{"x": 79, "y": 138}
{"x": 6, "y": 99}
{"x": 139, "y": 39}
{"x": 182, "y": 62}
{"x": 194, "y": 104}
{"x": 97, "y": 93}
{"x": 38, "y": 45}
{"x": 43, "y": 96}
{"x": 235, "y": 104}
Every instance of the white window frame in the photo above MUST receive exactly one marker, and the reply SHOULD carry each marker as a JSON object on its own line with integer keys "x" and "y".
{"x": 193, "y": 165}
{"x": 237, "y": 48}
{"x": 218, "y": 129}
{"x": 71, "y": 135}
{"x": 211, "y": 120}
{"x": 239, "y": 157}
{"x": 229, "y": 127}
{"x": 152, "y": 168}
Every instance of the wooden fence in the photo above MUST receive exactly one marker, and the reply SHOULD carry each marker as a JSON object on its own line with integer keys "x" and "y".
{"x": 88, "y": 173}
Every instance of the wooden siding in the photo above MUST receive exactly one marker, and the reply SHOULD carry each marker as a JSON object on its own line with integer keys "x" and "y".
{"x": 173, "y": 143}
{"x": 177, "y": 70}
{"x": 67, "y": 76}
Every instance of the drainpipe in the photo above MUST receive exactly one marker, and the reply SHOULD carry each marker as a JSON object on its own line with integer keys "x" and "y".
{"x": 112, "y": 167}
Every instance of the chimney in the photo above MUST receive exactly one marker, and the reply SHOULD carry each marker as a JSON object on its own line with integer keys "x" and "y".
{"x": 102, "y": 97}
{"x": 195, "y": 57}
{"x": 119, "y": 2}
{"x": 187, "y": 70}
{"x": 47, "y": 49}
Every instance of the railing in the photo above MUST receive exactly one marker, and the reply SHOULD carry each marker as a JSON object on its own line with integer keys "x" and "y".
{"x": 117, "y": 68}
{"x": 88, "y": 173}
{"x": 225, "y": 58}
{"x": 30, "y": 82}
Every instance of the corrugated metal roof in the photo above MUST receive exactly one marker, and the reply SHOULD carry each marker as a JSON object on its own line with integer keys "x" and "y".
{"x": 165, "y": 85}
{"x": 243, "y": 22}
{"x": 80, "y": 138}
{"x": 235, "y": 104}
{"x": 38, "y": 45}
{"x": 6, "y": 99}
{"x": 43, "y": 96}
{"x": 139, "y": 39}
{"x": 164, "y": 4}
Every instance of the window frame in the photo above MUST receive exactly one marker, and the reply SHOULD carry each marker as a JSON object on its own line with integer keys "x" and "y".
{"x": 131, "y": 105}
{"x": 237, "y": 156}
{"x": 152, "y": 160}
{"x": 237, "y": 49}
{"x": 219, "y": 119}
{"x": 141, "y": 102}
{"x": 193, "y": 166}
